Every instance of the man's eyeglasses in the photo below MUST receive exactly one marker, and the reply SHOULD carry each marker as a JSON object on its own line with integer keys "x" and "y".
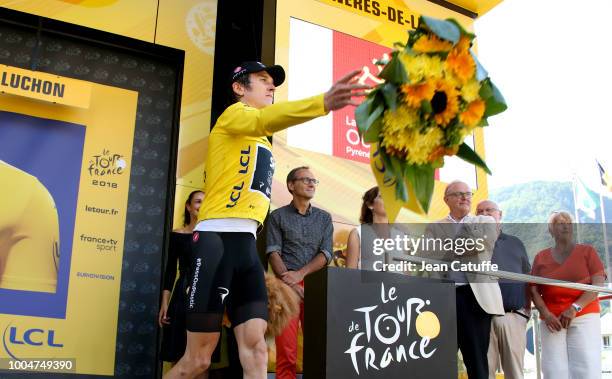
{"x": 461, "y": 194}
{"x": 306, "y": 180}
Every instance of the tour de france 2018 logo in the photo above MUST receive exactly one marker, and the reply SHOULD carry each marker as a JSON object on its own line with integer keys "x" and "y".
{"x": 105, "y": 167}
{"x": 380, "y": 339}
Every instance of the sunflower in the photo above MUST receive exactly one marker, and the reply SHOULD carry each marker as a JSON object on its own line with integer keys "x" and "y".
{"x": 473, "y": 113}
{"x": 461, "y": 64}
{"x": 430, "y": 43}
{"x": 422, "y": 66}
{"x": 445, "y": 102}
{"x": 414, "y": 94}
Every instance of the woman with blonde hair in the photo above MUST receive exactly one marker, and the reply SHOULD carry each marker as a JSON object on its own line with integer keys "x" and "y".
{"x": 570, "y": 326}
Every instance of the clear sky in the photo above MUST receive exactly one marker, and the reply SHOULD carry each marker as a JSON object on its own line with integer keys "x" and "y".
{"x": 552, "y": 60}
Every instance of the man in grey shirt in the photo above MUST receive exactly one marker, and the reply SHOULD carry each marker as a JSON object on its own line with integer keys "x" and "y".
{"x": 299, "y": 242}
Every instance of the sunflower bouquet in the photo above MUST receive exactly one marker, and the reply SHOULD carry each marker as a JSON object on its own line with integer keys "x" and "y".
{"x": 434, "y": 95}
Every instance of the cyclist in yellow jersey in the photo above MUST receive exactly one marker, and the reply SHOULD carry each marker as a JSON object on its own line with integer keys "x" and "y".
{"x": 29, "y": 233}
{"x": 226, "y": 271}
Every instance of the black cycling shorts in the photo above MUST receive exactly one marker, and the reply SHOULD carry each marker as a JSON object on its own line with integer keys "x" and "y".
{"x": 226, "y": 272}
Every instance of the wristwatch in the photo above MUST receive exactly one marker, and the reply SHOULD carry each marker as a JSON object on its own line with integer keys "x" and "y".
{"x": 576, "y": 307}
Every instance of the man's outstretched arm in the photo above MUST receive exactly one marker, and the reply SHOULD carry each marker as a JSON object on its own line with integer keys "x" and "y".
{"x": 250, "y": 121}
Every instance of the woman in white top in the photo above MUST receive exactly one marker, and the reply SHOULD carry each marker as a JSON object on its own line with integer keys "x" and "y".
{"x": 374, "y": 220}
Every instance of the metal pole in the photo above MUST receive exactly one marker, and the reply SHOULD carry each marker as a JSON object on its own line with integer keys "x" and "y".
{"x": 536, "y": 342}
{"x": 576, "y": 208}
{"x": 605, "y": 235}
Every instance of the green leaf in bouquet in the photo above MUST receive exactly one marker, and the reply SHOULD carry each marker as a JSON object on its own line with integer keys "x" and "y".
{"x": 375, "y": 115}
{"x": 497, "y": 94}
{"x": 394, "y": 71}
{"x": 368, "y": 112}
{"x": 421, "y": 178}
{"x": 397, "y": 166}
{"x": 371, "y": 135}
{"x": 496, "y": 103}
{"x": 362, "y": 112}
{"x": 493, "y": 107}
{"x": 401, "y": 192}
{"x": 426, "y": 106}
{"x": 467, "y": 154}
{"x": 389, "y": 178}
{"x": 481, "y": 73}
{"x": 486, "y": 89}
{"x": 389, "y": 91}
{"x": 442, "y": 28}
{"x": 463, "y": 31}
{"x": 389, "y": 175}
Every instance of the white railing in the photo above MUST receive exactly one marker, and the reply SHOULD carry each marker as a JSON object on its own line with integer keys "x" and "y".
{"x": 521, "y": 278}
{"x": 515, "y": 276}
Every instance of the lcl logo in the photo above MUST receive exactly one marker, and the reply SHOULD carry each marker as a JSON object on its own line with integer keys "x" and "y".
{"x": 14, "y": 336}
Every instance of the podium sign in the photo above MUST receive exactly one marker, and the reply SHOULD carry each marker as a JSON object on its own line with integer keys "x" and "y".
{"x": 366, "y": 324}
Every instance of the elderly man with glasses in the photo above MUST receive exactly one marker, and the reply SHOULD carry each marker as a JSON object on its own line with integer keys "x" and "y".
{"x": 478, "y": 297}
{"x": 508, "y": 339}
{"x": 299, "y": 242}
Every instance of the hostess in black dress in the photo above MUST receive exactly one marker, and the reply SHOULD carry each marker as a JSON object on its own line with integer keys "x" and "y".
{"x": 174, "y": 335}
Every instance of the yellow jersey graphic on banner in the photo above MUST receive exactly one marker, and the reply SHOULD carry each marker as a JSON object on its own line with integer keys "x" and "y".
{"x": 29, "y": 233}
{"x": 240, "y": 165}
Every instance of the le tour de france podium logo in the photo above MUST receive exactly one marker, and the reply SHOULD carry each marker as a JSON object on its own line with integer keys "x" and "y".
{"x": 104, "y": 168}
{"x": 395, "y": 331}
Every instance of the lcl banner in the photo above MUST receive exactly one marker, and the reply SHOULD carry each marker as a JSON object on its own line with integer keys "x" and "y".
{"x": 365, "y": 324}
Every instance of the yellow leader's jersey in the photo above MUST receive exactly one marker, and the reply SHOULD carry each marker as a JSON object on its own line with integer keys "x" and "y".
{"x": 29, "y": 233}
{"x": 239, "y": 165}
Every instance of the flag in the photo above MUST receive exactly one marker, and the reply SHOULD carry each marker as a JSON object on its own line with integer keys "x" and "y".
{"x": 586, "y": 199}
{"x": 606, "y": 180}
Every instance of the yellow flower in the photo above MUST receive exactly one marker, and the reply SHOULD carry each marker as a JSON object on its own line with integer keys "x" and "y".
{"x": 470, "y": 90}
{"x": 403, "y": 118}
{"x": 430, "y": 43}
{"x": 461, "y": 64}
{"x": 411, "y": 144}
{"x": 422, "y": 66}
{"x": 423, "y": 145}
{"x": 445, "y": 102}
{"x": 473, "y": 113}
{"x": 415, "y": 93}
